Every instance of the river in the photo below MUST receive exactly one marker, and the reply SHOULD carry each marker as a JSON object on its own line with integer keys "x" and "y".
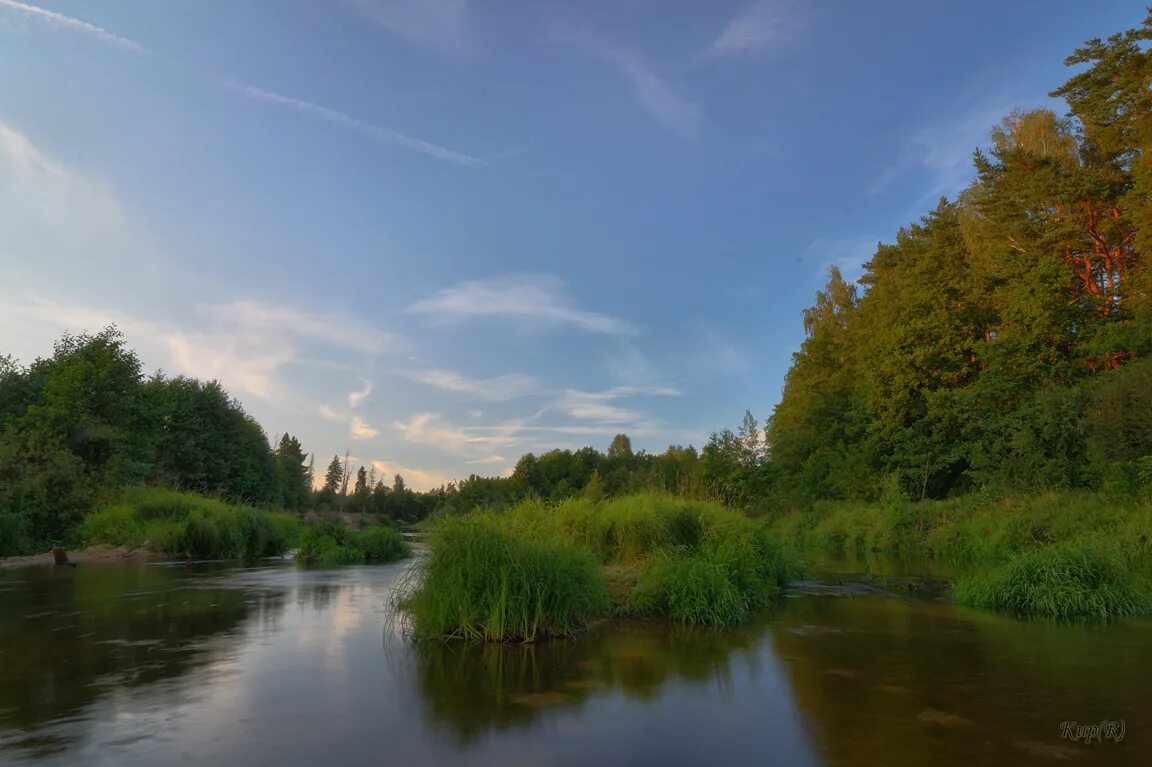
{"x": 108, "y": 664}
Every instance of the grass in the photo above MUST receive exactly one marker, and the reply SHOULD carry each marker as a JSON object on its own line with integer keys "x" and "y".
{"x": 1056, "y": 554}
{"x": 1059, "y": 581}
{"x": 976, "y": 528}
{"x": 541, "y": 569}
{"x": 189, "y": 525}
{"x": 329, "y": 544}
{"x": 482, "y": 581}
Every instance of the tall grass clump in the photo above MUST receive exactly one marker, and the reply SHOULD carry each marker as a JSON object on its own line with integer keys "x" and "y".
{"x": 1059, "y": 581}
{"x": 736, "y": 570}
{"x": 482, "y": 581}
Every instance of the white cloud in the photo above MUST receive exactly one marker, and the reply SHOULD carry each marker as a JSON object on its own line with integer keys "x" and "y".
{"x": 497, "y": 389}
{"x": 432, "y": 429}
{"x": 337, "y": 330}
{"x": 361, "y": 430}
{"x": 59, "y": 19}
{"x": 328, "y": 413}
{"x": 763, "y": 25}
{"x": 356, "y": 398}
{"x": 438, "y": 23}
{"x": 243, "y": 344}
{"x": 656, "y": 95}
{"x": 536, "y": 300}
{"x": 599, "y": 406}
{"x": 487, "y": 460}
{"x": 56, "y": 194}
{"x": 379, "y": 133}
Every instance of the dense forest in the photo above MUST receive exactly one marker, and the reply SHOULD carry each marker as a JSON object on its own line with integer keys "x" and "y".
{"x": 1001, "y": 342}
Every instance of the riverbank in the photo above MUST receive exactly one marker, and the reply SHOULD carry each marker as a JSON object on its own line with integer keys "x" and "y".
{"x": 99, "y": 554}
{"x": 1059, "y": 555}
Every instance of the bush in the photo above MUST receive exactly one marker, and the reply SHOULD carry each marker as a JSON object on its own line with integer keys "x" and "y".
{"x": 328, "y": 545}
{"x": 13, "y": 535}
{"x": 483, "y": 582}
{"x": 189, "y": 525}
{"x": 382, "y": 544}
{"x": 1059, "y": 581}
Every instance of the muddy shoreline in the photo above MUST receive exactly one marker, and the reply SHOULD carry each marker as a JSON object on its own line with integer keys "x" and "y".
{"x": 92, "y": 554}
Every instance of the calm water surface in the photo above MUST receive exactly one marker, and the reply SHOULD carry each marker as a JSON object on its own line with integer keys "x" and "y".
{"x": 150, "y": 665}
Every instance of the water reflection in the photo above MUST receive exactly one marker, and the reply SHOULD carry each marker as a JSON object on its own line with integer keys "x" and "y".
{"x": 475, "y": 688}
{"x": 73, "y": 635}
{"x": 111, "y": 665}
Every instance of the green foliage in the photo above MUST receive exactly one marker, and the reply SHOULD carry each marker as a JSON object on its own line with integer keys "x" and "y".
{"x": 1004, "y": 340}
{"x": 382, "y": 544}
{"x": 1059, "y": 582}
{"x": 13, "y": 536}
{"x": 485, "y": 582}
{"x": 692, "y": 561}
{"x": 188, "y": 525}
{"x": 329, "y": 544}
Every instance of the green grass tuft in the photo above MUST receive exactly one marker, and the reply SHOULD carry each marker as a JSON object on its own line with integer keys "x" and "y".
{"x": 1059, "y": 581}
{"x": 484, "y": 582}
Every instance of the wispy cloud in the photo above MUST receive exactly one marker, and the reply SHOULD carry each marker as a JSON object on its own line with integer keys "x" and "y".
{"x": 361, "y": 430}
{"x": 59, "y": 19}
{"x": 759, "y": 27}
{"x": 52, "y": 191}
{"x": 356, "y": 398}
{"x": 245, "y": 344}
{"x": 848, "y": 254}
{"x": 600, "y": 405}
{"x": 433, "y": 429}
{"x": 438, "y": 23}
{"x": 536, "y": 300}
{"x": 376, "y": 132}
{"x": 659, "y": 98}
{"x": 497, "y": 389}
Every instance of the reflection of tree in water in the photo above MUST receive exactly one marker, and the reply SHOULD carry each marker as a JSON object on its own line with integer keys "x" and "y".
{"x": 908, "y": 683}
{"x": 70, "y": 636}
{"x": 473, "y": 688}
{"x": 316, "y": 594}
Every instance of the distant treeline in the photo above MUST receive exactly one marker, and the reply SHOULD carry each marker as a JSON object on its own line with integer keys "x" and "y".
{"x": 1004, "y": 340}
{"x": 78, "y": 427}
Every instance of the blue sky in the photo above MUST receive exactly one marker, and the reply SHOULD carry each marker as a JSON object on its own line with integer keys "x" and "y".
{"x": 442, "y": 233}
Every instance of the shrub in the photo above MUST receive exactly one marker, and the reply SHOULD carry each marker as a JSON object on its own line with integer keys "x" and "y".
{"x": 382, "y": 544}
{"x": 13, "y": 535}
{"x": 115, "y": 525}
{"x": 1059, "y": 581}
{"x": 185, "y": 524}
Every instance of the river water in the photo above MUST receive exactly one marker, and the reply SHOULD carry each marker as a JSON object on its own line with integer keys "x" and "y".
{"x": 277, "y": 665}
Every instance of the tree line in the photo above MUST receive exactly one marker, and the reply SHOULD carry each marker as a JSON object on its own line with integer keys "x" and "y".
{"x": 1004, "y": 339}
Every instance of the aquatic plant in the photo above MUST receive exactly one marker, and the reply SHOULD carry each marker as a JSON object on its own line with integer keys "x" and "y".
{"x": 485, "y": 582}
{"x": 1059, "y": 581}
{"x": 692, "y": 561}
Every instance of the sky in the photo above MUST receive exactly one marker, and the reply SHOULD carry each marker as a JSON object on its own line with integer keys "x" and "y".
{"x": 439, "y": 234}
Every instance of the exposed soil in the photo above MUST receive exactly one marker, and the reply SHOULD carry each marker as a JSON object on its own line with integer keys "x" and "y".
{"x": 91, "y": 554}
